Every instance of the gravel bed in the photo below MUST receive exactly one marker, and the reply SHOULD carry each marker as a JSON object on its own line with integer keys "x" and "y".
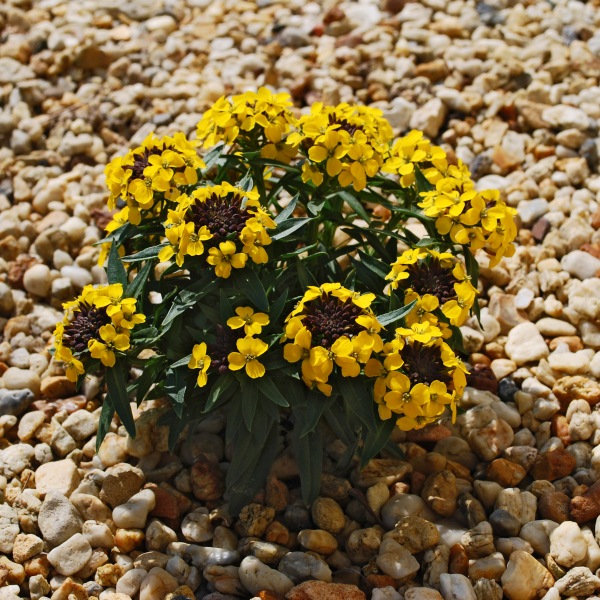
{"x": 504, "y": 503}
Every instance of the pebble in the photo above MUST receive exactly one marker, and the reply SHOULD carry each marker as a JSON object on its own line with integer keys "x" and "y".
{"x": 456, "y": 587}
{"x": 9, "y": 528}
{"x": 567, "y": 544}
{"x": 133, "y": 513}
{"x": 255, "y": 577}
{"x": 37, "y": 280}
{"x": 301, "y": 566}
{"x": 60, "y": 476}
{"x": 579, "y": 581}
{"x": 525, "y": 578}
{"x": 71, "y": 556}
{"x": 396, "y": 561}
{"x": 58, "y": 519}
{"x": 15, "y": 402}
{"x": 525, "y": 344}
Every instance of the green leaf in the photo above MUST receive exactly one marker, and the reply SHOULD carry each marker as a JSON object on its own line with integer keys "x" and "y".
{"x": 221, "y": 386}
{"x": 378, "y": 267}
{"x": 376, "y": 440}
{"x": 355, "y": 204}
{"x": 145, "y": 254}
{"x": 150, "y": 375}
{"x": 225, "y": 308}
{"x": 251, "y": 286}
{"x": 358, "y": 399}
{"x": 269, "y": 389}
{"x": 175, "y": 387}
{"x": 115, "y": 270}
{"x": 308, "y": 451}
{"x": 337, "y": 418}
{"x": 316, "y": 403}
{"x": 246, "y": 183}
{"x": 249, "y": 402}
{"x": 182, "y": 362}
{"x": 287, "y": 211}
{"x": 423, "y": 184}
{"x": 135, "y": 288}
{"x": 116, "y": 385}
{"x": 305, "y": 277}
{"x": 184, "y": 300}
{"x": 212, "y": 157}
{"x": 278, "y": 306}
{"x": 106, "y": 415}
{"x": 145, "y": 337}
{"x": 289, "y": 226}
{"x": 396, "y": 315}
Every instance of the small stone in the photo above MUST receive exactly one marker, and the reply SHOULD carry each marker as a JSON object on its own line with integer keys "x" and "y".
{"x": 525, "y": 578}
{"x": 554, "y": 506}
{"x": 61, "y": 476}
{"x": 414, "y": 533}
{"x": 133, "y": 514}
{"x": 15, "y": 459}
{"x": 207, "y": 480}
{"x": 490, "y": 567}
{"x": 15, "y": 402}
{"x": 157, "y": 584}
{"x": 396, "y": 561}
{"x": 563, "y": 116}
{"x": 196, "y": 526}
{"x": 429, "y": 117}
{"x": 20, "y": 379}
{"x": 159, "y": 536}
{"x": 29, "y": 423}
{"x": 579, "y": 581}
{"x": 37, "y": 280}
{"x": 363, "y": 544}
{"x": 81, "y": 424}
{"x": 504, "y": 524}
{"x": 27, "y": 546}
{"x": 567, "y": 544}
{"x": 525, "y": 344}
{"x": 440, "y": 493}
{"x": 456, "y": 587}
{"x": 301, "y": 566}
{"x": 580, "y": 264}
{"x": 385, "y": 470}
{"x": 505, "y": 472}
{"x": 479, "y": 541}
{"x": 255, "y": 518}
{"x": 328, "y": 515}
{"x": 587, "y": 506}
{"x": 576, "y": 387}
{"x": 71, "y": 556}
{"x": 317, "y": 540}
{"x": 58, "y": 519}
{"x": 552, "y": 465}
{"x": 121, "y": 482}
{"x": 319, "y": 590}
{"x": 131, "y": 581}
{"x": 255, "y": 577}
{"x": 9, "y": 528}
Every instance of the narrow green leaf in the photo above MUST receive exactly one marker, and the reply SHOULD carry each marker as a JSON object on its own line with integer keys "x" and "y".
{"x": 225, "y": 308}
{"x": 380, "y": 268}
{"x": 423, "y": 184}
{"x": 316, "y": 403}
{"x": 396, "y": 315}
{"x": 289, "y": 226}
{"x": 251, "y": 286}
{"x": 116, "y": 384}
{"x": 358, "y": 399}
{"x": 221, "y": 386}
{"x": 106, "y": 415}
{"x": 308, "y": 451}
{"x": 182, "y": 362}
{"x": 305, "y": 277}
{"x": 287, "y": 211}
{"x": 150, "y": 375}
{"x": 115, "y": 271}
{"x": 278, "y": 306}
{"x": 246, "y": 183}
{"x": 175, "y": 387}
{"x": 145, "y": 254}
{"x": 354, "y": 204}
{"x": 176, "y": 425}
{"x": 249, "y": 402}
{"x": 270, "y": 390}
{"x": 184, "y": 300}
{"x": 135, "y": 288}
{"x": 376, "y": 439}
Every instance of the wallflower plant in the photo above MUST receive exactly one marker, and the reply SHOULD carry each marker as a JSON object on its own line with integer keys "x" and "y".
{"x": 305, "y": 274}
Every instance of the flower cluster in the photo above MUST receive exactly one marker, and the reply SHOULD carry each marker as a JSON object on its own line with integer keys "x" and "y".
{"x": 416, "y": 380}
{"x": 437, "y": 281}
{"x": 331, "y": 325}
{"x": 97, "y": 324}
{"x": 225, "y": 223}
{"x": 157, "y": 168}
{"x": 251, "y": 119}
{"x": 234, "y": 351}
{"x": 347, "y": 142}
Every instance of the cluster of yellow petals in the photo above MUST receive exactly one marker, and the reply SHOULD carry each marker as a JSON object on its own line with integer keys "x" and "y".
{"x": 455, "y": 309}
{"x": 343, "y": 141}
{"x": 186, "y": 239}
{"x": 415, "y": 405}
{"x": 159, "y": 167}
{"x": 260, "y": 117}
{"x": 348, "y": 352}
{"x": 120, "y": 315}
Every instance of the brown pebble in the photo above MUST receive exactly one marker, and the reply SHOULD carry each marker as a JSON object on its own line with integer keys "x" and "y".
{"x": 540, "y": 229}
{"x": 576, "y": 387}
{"x": 429, "y": 433}
{"x": 573, "y": 341}
{"x": 505, "y": 472}
{"x": 459, "y": 561}
{"x": 587, "y": 506}
{"x": 417, "y": 480}
{"x": 553, "y": 465}
{"x": 554, "y": 506}
{"x": 560, "y": 428}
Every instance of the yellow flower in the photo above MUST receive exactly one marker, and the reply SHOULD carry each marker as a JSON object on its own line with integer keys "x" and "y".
{"x": 420, "y": 332}
{"x": 315, "y": 384}
{"x": 225, "y": 257}
{"x": 111, "y": 341}
{"x": 251, "y": 322}
{"x": 200, "y": 360}
{"x": 73, "y": 366}
{"x": 249, "y": 349}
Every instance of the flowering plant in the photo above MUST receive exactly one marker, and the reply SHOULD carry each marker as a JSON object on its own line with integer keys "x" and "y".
{"x": 305, "y": 270}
